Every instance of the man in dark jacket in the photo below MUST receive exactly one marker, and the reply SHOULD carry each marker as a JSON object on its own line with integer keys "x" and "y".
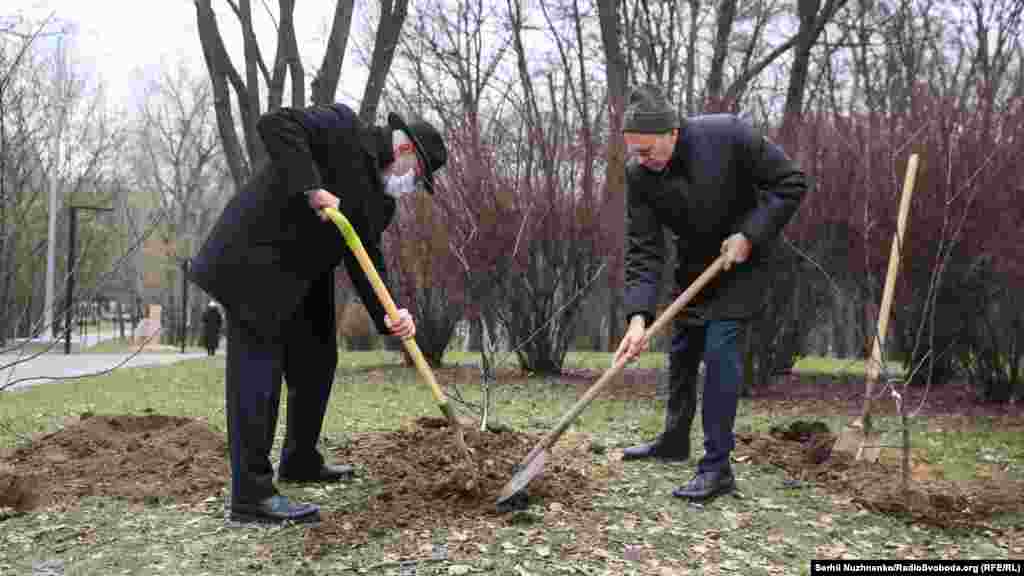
{"x": 212, "y": 323}
{"x": 270, "y": 261}
{"x": 720, "y": 188}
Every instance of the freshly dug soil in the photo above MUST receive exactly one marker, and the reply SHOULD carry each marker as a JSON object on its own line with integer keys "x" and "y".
{"x": 425, "y": 482}
{"x": 139, "y": 458}
{"x": 803, "y": 450}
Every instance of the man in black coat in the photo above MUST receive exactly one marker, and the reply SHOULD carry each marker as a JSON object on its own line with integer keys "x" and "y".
{"x": 270, "y": 261}
{"x": 212, "y": 324}
{"x": 720, "y": 188}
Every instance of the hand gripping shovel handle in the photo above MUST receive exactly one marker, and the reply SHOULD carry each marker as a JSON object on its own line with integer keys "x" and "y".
{"x": 356, "y": 246}
{"x": 525, "y": 470}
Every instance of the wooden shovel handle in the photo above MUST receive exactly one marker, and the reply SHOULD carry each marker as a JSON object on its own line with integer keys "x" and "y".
{"x": 678, "y": 304}
{"x": 874, "y": 367}
{"x": 356, "y": 245}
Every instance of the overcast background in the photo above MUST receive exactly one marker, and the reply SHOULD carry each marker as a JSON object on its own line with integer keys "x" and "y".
{"x": 121, "y": 43}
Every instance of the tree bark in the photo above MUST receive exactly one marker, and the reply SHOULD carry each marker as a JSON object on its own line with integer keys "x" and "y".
{"x": 325, "y": 85}
{"x": 725, "y": 19}
{"x": 220, "y": 69}
{"x": 224, "y": 77}
{"x": 392, "y": 18}
{"x": 250, "y": 105}
{"x": 691, "y": 58}
{"x": 615, "y": 176}
{"x": 813, "y": 18}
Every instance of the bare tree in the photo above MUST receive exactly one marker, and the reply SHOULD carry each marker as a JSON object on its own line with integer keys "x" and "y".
{"x": 725, "y": 17}
{"x": 17, "y": 165}
{"x": 389, "y": 27}
{"x": 452, "y": 55}
{"x": 34, "y": 99}
{"x": 814, "y": 16}
{"x": 179, "y": 162}
{"x": 326, "y": 82}
{"x": 242, "y": 154}
{"x": 549, "y": 280}
{"x": 615, "y": 156}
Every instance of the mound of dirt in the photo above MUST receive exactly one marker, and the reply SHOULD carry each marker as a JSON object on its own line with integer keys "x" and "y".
{"x": 425, "y": 483}
{"x": 139, "y": 458}
{"x": 804, "y": 451}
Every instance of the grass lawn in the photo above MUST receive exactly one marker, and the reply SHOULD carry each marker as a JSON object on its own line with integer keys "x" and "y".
{"x": 836, "y": 366}
{"x": 635, "y": 526}
{"x": 118, "y": 346}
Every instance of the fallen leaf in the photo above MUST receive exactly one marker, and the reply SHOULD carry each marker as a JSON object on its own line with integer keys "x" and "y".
{"x": 631, "y": 553}
{"x": 522, "y": 571}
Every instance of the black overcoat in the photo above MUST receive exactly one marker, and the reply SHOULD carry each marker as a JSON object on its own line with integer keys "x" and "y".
{"x": 723, "y": 177}
{"x": 268, "y": 245}
{"x": 212, "y": 321}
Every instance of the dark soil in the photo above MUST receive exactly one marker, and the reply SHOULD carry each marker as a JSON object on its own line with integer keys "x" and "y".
{"x": 425, "y": 482}
{"x": 139, "y": 458}
{"x": 803, "y": 450}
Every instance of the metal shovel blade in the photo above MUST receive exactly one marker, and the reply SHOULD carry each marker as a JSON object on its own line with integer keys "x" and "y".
{"x": 522, "y": 478}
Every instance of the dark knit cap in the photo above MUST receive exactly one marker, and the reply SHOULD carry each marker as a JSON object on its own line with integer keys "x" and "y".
{"x": 649, "y": 111}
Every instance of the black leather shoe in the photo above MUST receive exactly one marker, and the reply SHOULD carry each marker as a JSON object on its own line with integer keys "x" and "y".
{"x": 706, "y": 485}
{"x": 659, "y": 450}
{"x": 274, "y": 510}
{"x": 326, "y": 474}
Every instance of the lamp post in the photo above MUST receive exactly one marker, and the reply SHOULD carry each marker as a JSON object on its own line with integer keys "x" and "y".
{"x": 185, "y": 262}
{"x": 72, "y": 227}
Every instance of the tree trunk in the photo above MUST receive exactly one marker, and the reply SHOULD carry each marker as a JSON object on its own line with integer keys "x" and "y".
{"x": 325, "y": 85}
{"x": 725, "y": 18}
{"x": 615, "y": 178}
{"x": 812, "y": 23}
{"x": 251, "y": 103}
{"x": 392, "y": 18}
{"x": 287, "y": 62}
{"x": 219, "y": 68}
{"x": 691, "y": 57}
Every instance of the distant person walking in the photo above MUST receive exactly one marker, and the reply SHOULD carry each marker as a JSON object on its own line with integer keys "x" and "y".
{"x": 213, "y": 320}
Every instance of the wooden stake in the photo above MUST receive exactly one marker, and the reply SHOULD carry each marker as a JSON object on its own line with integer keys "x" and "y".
{"x": 874, "y": 367}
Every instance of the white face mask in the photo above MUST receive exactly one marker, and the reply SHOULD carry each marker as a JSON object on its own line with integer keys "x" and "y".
{"x": 400, "y": 177}
{"x": 398, "y": 186}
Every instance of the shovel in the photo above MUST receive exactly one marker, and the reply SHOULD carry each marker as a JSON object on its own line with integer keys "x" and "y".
{"x": 356, "y": 246}
{"x": 859, "y": 437}
{"x": 533, "y": 464}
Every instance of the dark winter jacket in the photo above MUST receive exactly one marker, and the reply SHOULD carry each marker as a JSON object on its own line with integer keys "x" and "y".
{"x": 212, "y": 324}
{"x": 268, "y": 245}
{"x": 723, "y": 177}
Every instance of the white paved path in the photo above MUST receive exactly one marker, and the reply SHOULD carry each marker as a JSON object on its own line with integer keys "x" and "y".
{"x": 15, "y": 369}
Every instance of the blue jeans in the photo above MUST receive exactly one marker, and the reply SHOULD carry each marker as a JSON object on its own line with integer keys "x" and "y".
{"x": 717, "y": 342}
